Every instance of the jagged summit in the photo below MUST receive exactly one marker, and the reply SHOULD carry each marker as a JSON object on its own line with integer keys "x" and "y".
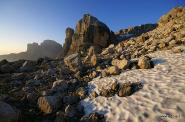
{"x": 89, "y": 32}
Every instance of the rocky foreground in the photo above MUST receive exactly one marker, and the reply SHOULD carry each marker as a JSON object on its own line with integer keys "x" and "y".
{"x": 102, "y": 76}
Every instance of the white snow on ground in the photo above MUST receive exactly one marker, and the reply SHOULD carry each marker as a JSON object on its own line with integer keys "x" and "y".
{"x": 161, "y": 99}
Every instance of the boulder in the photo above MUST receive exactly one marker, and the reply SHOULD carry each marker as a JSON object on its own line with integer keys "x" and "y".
{"x": 71, "y": 111}
{"x": 81, "y": 92}
{"x": 7, "y": 68}
{"x": 121, "y": 64}
{"x": 70, "y": 99}
{"x": 28, "y": 66}
{"x": 128, "y": 89}
{"x": 59, "y": 85}
{"x": 4, "y": 61}
{"x": 49, "y": 104}
{"x": 144, "y": 62}
{"x": 8, "y": 113}
{"x": 73, "y": 61}
{"x": 112, "y": 70}
{"x": 94, "y": 60}
{"x": 108, "y": 50}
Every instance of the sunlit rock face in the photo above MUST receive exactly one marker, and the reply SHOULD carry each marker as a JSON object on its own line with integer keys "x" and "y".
{"x": 89, "y": 31}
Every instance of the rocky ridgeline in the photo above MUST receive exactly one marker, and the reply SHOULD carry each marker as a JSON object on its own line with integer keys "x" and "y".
{"x": 48, "y": 48}
{"x": 124, "y": 34}
{"x": 51, "y": 89}
{"x": 169, "y": 34}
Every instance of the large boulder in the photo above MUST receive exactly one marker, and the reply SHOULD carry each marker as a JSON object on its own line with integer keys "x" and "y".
{"x": 28, "y": 66}
{"x": 73, "y": 61}
{"x": 8, "y": 113}
{"x": 59, "y": 85}
{"x": 49, "y": 104}
{"x": 121, "y": 64}
{"x": 144, "y": 62}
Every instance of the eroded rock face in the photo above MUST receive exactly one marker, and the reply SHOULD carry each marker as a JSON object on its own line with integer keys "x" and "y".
{"x": 89, "y": 31}
{"x": 68, "y": 41}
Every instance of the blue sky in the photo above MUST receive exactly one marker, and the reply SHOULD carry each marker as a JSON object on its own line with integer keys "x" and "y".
{"x": 26, "y": 21}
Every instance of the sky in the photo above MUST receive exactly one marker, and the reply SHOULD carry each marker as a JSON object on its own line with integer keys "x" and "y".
{"x": 27, "y": 21}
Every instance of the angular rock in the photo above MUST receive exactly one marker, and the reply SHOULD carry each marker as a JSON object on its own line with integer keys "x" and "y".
{"x": 121, "y": 64}
{"x": 94, "y": 94}
{"x": 70, "y": 99}
{"x": 71, "y": 111}
{"x": 96, "y": 117}
{"x": 81, "y": 92}
{"x": 128, "y": 89}
{"x": 94, "y": 60}
{"x": 113, "y": 70}
{"x": 28, "y": 66}
{"x": 8, "y": 113}
{"x": 73, "y": 62}
{"x": 144, "y": 62}
{"x": 108, "y": 50}
{"x": 4, "y": 61}
{"x": 7, "y": 68}
{"x": 59, "y": 85}
{"x": 49, "y": 104}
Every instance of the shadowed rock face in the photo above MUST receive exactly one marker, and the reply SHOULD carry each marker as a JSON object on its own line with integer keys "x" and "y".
{"x": 48, "y": 48}
{"x": 89, "y": 31}
{"x": 68, "y": 41}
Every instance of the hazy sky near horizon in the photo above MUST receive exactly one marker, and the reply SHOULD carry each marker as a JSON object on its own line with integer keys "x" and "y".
{"x": 27, "y": 21}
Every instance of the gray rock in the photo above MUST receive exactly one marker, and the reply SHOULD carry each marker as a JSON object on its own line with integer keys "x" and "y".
{"x": 7, "y": 68}
{"x": 70, "y": 99}
{"x": 73, "y": 62}
{"x": 8, "y": 113}
{"x": 60, "y": 85}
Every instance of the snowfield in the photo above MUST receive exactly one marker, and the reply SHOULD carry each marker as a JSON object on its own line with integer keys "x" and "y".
{"x": 161, "y": 99}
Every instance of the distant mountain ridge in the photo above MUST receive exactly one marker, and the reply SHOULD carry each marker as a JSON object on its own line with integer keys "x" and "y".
{"x": 48, "y": 48}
